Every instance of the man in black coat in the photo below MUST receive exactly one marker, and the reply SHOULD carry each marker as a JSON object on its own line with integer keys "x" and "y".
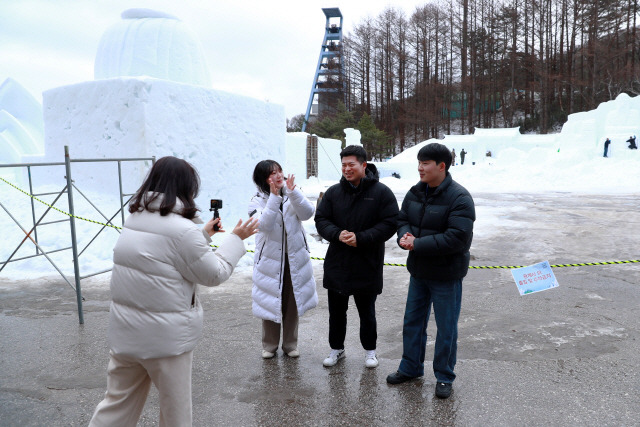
{"x": 435, "y": 225}
{"x": 357, "y": 216}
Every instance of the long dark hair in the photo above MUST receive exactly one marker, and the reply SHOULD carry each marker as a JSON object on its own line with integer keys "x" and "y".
{"x": 263, "y": 171}
{"x": 173, "y": 178}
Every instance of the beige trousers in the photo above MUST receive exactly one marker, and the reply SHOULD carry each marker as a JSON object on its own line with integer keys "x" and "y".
{"x": 271, "y": 330}
{"x": 128, "y": 382}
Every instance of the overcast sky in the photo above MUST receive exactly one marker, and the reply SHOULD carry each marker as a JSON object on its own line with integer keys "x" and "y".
{"x": 266, "y": 50}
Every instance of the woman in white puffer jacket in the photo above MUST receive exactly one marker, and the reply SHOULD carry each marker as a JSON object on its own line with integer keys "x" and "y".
{"x": 283, "y": 283}
{"x": 155, "y": 318}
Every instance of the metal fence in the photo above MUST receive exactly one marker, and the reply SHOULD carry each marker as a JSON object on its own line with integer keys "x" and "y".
{"x": 69, "y": 189}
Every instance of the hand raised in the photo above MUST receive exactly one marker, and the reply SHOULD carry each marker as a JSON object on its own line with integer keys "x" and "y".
{"x": 290, "y": 182}
{"x": 249, "y": 228}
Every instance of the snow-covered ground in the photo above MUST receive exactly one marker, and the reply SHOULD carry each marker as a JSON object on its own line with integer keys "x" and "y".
{"x": 513, "y": 171}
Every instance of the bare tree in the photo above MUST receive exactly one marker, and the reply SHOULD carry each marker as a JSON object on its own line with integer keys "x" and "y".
{"x": 491, "y": 63}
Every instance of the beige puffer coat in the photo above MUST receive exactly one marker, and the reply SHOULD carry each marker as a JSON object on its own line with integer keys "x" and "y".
{"x": 158, "y": 262}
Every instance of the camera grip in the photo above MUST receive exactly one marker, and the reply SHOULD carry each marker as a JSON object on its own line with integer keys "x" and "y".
{"x": 216, "y": 227}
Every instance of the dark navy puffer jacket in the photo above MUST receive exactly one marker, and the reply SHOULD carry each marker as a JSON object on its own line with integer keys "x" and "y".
{"x": 443, "y": 227}
{"x": 371, "y": 211}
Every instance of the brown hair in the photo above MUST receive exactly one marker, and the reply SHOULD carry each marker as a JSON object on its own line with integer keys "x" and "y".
{"x": 172, "y": 178}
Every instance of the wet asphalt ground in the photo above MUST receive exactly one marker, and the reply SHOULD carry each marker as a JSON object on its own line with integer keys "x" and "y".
{"x": 568, "y": 356}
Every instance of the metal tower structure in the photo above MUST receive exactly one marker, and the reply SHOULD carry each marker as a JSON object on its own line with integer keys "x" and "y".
{"x": 328, "y": 83}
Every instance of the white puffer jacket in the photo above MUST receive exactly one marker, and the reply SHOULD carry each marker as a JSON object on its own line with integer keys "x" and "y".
{"x": 268, "y": 264}
{"x": 158, "y": 261}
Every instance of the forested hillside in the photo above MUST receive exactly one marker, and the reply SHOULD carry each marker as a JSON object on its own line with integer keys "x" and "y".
{"x": 452, "y": 66}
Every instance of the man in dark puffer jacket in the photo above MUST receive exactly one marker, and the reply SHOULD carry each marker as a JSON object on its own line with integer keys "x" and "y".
{"x": 436, "y": 225}
{"x": 357, "y": 216}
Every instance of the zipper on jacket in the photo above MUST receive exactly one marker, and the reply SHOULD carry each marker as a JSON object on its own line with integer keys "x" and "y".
{"x": 283, "y": 243}
{"x": 305, "y": 241}
{"x": 282, "y": 254}
{"x": 261, "y": 249}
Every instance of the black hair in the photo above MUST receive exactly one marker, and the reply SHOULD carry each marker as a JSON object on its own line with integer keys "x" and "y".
{"x": 355, "y": 150}
{"x": 262, "y": 172}
{"x": 437, "y": 152}
{"x": 172, "y": 178}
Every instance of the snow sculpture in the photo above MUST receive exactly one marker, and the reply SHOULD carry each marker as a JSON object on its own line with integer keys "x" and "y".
{"x": 154, "y": 44}
{"x": 328, "y": 156}
{"x": 615, "y": 119}
{"x": 352, "y": 136}
{"x": 152, "y": 97}
{"x": 21, "y": 127}
{"x": 223, "y": 135}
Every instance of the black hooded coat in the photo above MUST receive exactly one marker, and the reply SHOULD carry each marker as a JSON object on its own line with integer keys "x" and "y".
{"x": 371, "y": 211}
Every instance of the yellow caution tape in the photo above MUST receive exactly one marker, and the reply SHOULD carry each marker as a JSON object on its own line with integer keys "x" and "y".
{"x": 484, "y": 267}
{"x": 59, "y": 210}
{"x": 579, "y": 264}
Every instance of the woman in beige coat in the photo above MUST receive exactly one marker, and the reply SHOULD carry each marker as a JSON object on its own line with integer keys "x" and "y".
{"x": 155, "y": 318}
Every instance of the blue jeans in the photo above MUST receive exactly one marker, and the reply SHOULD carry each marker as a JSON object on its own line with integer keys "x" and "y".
{"x": 446, "y": 298}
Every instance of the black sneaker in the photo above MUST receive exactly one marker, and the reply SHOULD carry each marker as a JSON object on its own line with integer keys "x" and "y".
{"x": 398, "y": 378}
{"x": 443, "y": 390}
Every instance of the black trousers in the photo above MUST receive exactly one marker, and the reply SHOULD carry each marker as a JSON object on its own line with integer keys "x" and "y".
{"x": 338, "y": 305}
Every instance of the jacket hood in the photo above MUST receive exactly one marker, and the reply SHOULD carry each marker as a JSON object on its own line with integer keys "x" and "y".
{"x": 371, "y": 176}
{"x": 371, "y": 168}
{"x": 154, "y": 205}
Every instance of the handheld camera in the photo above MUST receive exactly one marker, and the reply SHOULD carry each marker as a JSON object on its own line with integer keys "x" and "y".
{"x": 215, "y": 205}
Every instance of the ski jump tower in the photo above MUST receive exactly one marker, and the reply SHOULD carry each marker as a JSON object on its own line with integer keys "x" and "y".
{"x": 328, "y": 83}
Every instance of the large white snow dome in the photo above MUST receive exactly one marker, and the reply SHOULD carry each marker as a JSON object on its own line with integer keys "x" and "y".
{"x": 151, "y": 43}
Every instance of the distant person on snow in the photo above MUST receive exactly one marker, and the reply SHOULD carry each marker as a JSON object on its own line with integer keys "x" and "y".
{"x": 606, "y": 147}
{"x": 462, "y": 154}
{"x": 453, "y": 157}
{"x": 632, "y": 142}
{"x": 283, "y": 283}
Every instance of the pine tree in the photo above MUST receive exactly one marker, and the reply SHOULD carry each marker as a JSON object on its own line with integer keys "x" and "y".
{"x": 374, "y": 140}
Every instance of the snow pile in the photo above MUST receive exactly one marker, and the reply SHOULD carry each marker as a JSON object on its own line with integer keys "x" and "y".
{"x": 221, "y": 134}
{"x": 154, "y": 44}
{"x": 21, "y": 129}
{"x": 327, "y": 155}
{"x": 616, "y": 119}
{"x": 503, "y": 160}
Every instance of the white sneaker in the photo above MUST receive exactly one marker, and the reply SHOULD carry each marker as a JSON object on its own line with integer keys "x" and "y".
{"x": 333, "y": 358}
{"x": 267, "y": 354}
{"x": 294, "y": 353}
{"x": 371, "y": 361}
